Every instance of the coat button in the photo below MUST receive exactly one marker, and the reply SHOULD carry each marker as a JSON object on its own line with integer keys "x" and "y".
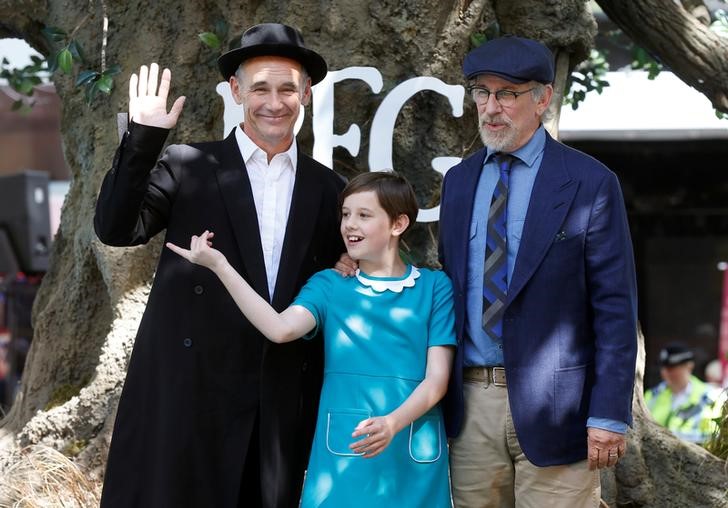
{"x": 304, "y": 367}
{"x": 199, "y": 289}
{"x": 187, "y": 342}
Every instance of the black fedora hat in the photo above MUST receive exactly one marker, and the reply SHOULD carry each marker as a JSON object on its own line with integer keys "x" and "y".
{"x": 277, "y": 40}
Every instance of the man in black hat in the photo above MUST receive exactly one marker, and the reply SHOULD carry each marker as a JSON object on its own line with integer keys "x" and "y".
{"x": 213, "y": 414}
{"x": 534, "y": 236}
{"x": 682, "y": 402}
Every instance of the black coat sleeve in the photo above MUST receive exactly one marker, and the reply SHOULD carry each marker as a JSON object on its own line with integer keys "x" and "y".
{"x": 138, "y": 191}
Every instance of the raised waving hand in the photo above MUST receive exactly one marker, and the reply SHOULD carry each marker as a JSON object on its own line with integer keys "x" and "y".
{"x": 147, "y": 104}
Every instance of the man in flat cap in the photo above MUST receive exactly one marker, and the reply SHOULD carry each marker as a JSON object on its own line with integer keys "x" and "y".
{"x": 213, "y": 414}
{"x": 534, "y": 236}
{"x": 681, "y": 402}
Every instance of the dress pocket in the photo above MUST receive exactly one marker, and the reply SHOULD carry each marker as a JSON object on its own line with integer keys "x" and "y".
{"x": 339, "y": 427}
{"x": 425, "y": 443}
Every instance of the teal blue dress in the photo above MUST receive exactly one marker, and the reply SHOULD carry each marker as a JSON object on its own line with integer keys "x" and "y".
{"x": 376, "y": 332}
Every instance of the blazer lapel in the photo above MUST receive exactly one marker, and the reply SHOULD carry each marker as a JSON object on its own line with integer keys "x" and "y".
{"x": 306, "y": 200}
{"x": 237, "y": 195}
{"x": 463, "y": 199}
{"x": 553, "y": 192}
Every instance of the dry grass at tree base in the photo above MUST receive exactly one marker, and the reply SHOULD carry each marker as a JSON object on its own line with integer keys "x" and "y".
{"x": 41, "y": 477}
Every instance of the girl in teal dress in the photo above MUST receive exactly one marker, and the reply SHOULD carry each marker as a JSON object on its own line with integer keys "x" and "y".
{"x": 389, "y": 336}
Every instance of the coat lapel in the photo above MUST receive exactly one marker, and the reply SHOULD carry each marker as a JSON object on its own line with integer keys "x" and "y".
{"x": 234, "y": 185}
{"x": 305, "y": 202}
{"x": 463, "y": 199}
{"x": 553, "y": 192}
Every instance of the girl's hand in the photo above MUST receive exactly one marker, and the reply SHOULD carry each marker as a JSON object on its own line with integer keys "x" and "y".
{"x": 201, "y": 251}
{"x": 379, "y": 431}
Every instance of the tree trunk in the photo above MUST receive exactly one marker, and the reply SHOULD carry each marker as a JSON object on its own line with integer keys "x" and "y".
{"x": 91, "y": 299}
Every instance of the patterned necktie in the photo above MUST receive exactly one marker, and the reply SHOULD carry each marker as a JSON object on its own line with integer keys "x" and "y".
{"x": 495, "y": 273}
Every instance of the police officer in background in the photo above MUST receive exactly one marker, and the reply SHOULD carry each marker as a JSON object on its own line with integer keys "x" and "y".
{"x": 681, "y": 402}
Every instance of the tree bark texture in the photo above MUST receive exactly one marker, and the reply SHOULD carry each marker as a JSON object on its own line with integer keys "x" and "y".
{"x": 91, "y": 299}
{"x": 679, "y": 40}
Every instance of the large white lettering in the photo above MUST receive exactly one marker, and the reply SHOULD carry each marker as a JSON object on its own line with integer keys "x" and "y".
{"x": 380, "y": 140}
{"x": 324, "y": 139}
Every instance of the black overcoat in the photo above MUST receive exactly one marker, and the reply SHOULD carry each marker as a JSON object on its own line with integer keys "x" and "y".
{"x": 199, "y": 374}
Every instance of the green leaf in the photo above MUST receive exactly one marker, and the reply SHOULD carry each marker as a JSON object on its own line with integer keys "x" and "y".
{"x": 105, "y": 83}
{"x": 75, "y": 48}
{"x": 221, "y": 28}
{"x": 113, "y": 70}
{"x": 53, "y": 63}
{"x": 86, "y": 76}
{"x": 5, "y": 61}
{"x": 17, "y": 105}
{"x": 65, "y": 61}
{"x": 54, "y": 34}
{"x": 25, "y": 87}
{"x": 91, "y": 90}
{"x": 209, "y": 39}
{"x": 477, "y": 39}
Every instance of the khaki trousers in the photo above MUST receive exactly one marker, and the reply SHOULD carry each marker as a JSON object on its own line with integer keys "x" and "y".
{"x": 488, "y": 468}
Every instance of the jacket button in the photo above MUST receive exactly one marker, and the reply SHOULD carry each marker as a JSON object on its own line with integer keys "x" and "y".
{"x": 199, "y": 289}
{"x": 304, "y": 367}
{"x": 187, "y": 342}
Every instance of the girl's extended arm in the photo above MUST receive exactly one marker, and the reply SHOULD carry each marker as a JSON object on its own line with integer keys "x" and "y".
{"x": 289, "y": 325}
{"x": 381, "y": 429}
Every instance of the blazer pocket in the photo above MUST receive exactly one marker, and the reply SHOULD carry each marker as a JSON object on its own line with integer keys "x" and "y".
{"x": 566, "y": 254}
{"x": 570, "y": 386}
{"x": 425, "y": 439}
{"x": 339, "y": 426}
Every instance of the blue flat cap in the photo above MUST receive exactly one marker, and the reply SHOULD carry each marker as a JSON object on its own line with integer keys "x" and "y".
{"x": 515, "y": 59}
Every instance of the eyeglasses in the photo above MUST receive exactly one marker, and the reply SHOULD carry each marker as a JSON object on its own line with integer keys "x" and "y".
{"x": 505, "y": 98}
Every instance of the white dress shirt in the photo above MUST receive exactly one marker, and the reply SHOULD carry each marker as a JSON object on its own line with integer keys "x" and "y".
{"x": 272, "y": 185}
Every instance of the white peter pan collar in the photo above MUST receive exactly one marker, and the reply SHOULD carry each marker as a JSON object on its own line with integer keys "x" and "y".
{"x": 394, "y": 284}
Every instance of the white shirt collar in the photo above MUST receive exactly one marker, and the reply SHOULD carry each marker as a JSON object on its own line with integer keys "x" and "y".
{"x": 394, "y": 284}
{"x": 248, "y": 148}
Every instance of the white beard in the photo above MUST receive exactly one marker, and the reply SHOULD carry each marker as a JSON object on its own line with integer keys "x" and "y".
{"x": 501, "y": 141}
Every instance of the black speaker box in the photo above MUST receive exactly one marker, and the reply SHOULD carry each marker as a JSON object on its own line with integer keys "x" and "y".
{"x": 24, "y": 222}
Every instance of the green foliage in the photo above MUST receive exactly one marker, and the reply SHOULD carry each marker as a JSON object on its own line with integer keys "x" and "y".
{"x": 642, "y": 60}
{"x": 587, "y": 77}
{"x": 67, "y": 53}
{"x": 65, "y": 61}
{"x": 492, "y": 31}
{"x": 23, "y": 80}
{"x": 720, "y": 25}
{"x": 95, "y": 82}
{"x": 718, "y": 443}
{"x": 214, "y": 40}
{"x": 209, "y": 39}
{"x": 477, "y": 39}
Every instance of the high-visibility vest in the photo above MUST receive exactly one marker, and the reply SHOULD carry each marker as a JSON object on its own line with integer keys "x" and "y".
{"x": 694, "y": 419}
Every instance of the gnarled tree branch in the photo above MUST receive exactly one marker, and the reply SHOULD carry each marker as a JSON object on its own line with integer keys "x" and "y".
{"x": 697, "y": 55}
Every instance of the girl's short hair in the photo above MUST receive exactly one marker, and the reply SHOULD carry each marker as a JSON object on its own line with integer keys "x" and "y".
{"x": 394, "y": 192}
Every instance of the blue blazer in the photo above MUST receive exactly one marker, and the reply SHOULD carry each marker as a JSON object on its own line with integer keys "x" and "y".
{"x": 569, "y": 329}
